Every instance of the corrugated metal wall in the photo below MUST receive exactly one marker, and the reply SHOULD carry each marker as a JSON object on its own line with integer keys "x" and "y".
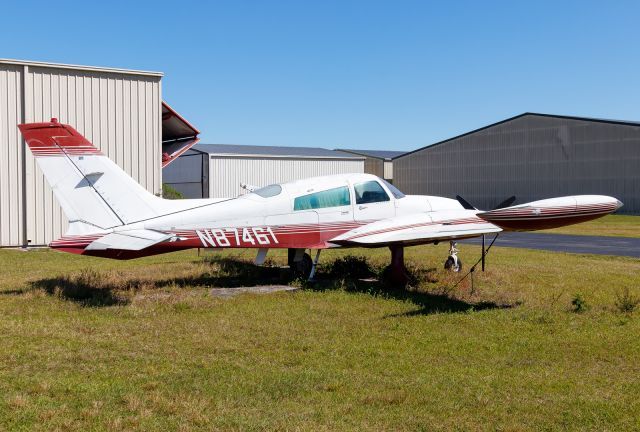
{"x": 11, "y": 156}
{"x": 118, "y": 112}
{"x": 374, "y": 166}
{"x": 532, "y": 157}
{"x": 189, "y": 174}
{"x": 226, "y": 173}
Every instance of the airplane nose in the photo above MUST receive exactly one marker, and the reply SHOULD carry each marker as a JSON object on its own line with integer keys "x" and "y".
{"x": 618, "y": 204}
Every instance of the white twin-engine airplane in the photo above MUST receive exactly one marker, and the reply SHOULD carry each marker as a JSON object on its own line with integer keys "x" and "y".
{"x": 110, "y": 215}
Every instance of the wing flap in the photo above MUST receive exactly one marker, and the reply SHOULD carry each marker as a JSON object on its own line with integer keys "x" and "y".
{"x": 418, "y": 229}
{"x": 129, "y": 240}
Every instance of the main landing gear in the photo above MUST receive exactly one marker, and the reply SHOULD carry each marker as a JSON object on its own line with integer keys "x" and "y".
{"x": 398, "y": 272}
{"x": 453, "y": 263}
{"x": 301, "y": 263}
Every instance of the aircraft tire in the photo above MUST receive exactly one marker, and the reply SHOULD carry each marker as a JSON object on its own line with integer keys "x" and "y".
{"x": 302, "y": 268}
{"x": 449, "y": 264}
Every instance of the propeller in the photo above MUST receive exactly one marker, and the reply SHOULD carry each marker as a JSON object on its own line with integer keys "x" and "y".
{"x": 505, "y": 203}
{"x": 465, "y": 204}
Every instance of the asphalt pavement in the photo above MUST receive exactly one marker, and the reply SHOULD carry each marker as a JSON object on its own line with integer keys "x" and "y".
{"x": 600, "y": 245}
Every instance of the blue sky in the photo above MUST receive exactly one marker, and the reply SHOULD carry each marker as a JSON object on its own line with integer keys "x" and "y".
{"x": 357, "y": 74}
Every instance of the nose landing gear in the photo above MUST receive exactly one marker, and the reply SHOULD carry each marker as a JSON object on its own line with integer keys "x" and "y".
{"x": 453, "y": 263}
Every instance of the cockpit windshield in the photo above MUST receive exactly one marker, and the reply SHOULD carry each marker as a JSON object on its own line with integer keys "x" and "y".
{"x": 394, "y": 190}
{"x": 269, "y": 191}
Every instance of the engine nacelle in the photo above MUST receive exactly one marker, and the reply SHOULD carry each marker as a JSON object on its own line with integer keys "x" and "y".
{"x": 551, "y": 213}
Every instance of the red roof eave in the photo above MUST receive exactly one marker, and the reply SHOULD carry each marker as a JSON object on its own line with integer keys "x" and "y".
{"x": 188, "y": 136}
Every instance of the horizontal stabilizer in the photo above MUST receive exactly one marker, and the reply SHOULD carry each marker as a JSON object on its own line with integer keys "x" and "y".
{"x": 129, "y": 240}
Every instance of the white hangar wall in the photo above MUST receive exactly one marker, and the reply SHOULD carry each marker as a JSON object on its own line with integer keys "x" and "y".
{"x": 118, "y": 110}
{"x": 226, "y": 173}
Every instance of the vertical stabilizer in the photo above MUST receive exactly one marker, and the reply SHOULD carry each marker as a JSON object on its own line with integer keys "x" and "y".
{"x": 91, "y": 189}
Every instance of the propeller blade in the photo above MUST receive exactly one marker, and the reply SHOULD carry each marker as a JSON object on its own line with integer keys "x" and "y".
{"x": 465, "y": 203}
{"x": 505, "y": 203}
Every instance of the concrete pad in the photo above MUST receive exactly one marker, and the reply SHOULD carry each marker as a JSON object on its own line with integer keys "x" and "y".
{"x": 265, "y": 289}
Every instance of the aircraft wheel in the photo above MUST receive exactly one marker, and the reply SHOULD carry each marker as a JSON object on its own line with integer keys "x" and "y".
{"x": 302, "y": 268}
{"x": 450, "y": 264}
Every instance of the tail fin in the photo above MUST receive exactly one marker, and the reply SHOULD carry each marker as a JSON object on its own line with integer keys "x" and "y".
{"x": 94, "y": 193}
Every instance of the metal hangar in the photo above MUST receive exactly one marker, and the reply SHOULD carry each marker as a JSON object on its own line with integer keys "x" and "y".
{"x": 532, "y": 156}
{"x": 218, "y": 170}
{"x": 120, "y": 111}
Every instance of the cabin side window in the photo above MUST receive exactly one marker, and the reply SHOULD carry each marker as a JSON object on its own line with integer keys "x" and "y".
{"x": 328, "y": 198}
{"x": 370, "y": 192}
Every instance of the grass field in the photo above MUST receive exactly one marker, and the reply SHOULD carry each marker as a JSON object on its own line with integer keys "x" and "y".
{"x": 90, "y": 344}
{"x": 611, "y": 225}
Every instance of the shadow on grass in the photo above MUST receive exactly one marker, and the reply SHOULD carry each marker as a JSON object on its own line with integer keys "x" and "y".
{"x": 232, "y": 273}
{"x": 94, "y": 289}
{"x": 428, "y": 302}
{"x": 355, "y": 274}
{"x": 81, "y": 289}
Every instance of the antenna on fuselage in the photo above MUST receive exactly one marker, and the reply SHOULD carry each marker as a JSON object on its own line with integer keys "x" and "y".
{"x": 248, "y": 187}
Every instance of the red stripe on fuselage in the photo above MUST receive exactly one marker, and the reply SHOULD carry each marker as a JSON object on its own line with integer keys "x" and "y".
{"x": 316, "y": 236}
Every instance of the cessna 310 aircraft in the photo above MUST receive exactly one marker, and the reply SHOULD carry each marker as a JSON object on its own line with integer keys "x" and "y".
{"x": 110, "y": 215}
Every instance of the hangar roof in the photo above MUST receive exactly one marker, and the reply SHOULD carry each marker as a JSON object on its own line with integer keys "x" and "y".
{"x": 79, "y": 67}
{"x": 273, "y": 151}
{"x": 376, "y": 154}
{"x": 597, "y": 120}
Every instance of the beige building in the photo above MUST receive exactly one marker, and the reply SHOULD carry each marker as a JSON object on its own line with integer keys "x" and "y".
{"x": 218, "y": 170}
{"x": 120, "y": 111}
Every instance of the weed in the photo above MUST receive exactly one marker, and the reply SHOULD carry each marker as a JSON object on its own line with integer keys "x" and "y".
{"x": 350, "y": 267}
{"x": 626, "y": 302}
{"x": 579, "y": 304}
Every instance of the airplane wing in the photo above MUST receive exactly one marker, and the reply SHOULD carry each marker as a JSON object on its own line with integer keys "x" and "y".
{"x": 129, "y": 240}
{"x": 459, "y": 224}
{"x": 417, "y": 229}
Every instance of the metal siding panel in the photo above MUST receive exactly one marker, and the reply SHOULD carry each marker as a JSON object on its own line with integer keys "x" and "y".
{"x": 151, "y": 144}
{"x": 388, "y": 170}
{"x": 110, "y": 118}
{"x": 142, "y": 148}
{"x": 157, "y": 138}
{"x": 126, "y": 125}
{"x": 11, "y": 226}
{"x": 118, "y": 120}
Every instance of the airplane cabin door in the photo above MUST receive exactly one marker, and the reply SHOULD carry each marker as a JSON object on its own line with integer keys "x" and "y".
{"x": 372, "y": 202}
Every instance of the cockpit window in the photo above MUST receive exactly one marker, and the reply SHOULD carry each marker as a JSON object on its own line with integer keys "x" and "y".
{"x": 269, "y": 191}
{"x": 328, "y": 198}
{"x": 394, "y": 190}
{"x": 370, "y": 192}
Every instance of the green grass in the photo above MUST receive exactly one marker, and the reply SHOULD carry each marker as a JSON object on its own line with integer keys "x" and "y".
{"x": 155, "y": 351}
{"x": 611, "y": 225}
